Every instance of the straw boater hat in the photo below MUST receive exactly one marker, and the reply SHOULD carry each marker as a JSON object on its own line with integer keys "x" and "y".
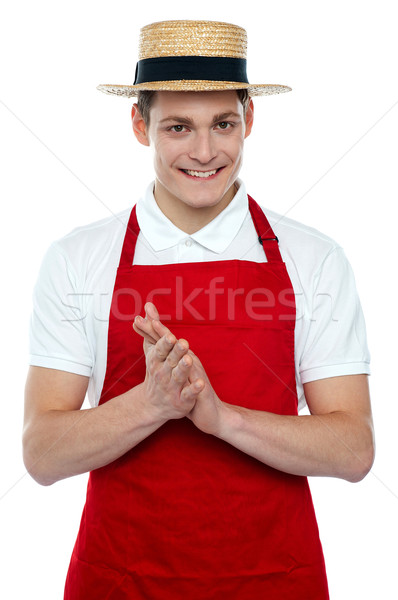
{"x": 192, "y": 56}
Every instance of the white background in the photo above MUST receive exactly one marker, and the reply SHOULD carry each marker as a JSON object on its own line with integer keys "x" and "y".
{"x": 325, "y": 154}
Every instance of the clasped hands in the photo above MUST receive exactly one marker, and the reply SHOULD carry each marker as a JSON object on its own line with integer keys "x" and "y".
{"x": 176, "y": 384}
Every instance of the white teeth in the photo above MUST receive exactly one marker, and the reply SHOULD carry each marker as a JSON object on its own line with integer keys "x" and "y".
{"x": 200, "y": 173}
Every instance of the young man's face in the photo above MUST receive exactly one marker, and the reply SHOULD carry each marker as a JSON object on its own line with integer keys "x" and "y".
{"x": 197, "y": 139}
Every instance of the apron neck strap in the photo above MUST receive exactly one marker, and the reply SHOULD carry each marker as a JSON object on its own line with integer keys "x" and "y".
{"x": 130, "y": 240}
{"x": 266, "y": 236}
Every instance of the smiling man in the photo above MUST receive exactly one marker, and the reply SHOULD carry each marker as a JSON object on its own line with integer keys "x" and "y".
{"x": 199, "y": 323}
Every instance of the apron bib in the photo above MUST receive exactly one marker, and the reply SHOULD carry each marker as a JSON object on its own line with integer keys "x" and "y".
{"x": 184, "y": 515}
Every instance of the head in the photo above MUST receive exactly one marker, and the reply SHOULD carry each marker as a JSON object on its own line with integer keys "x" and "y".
{"x": 197, "y": 140}
{"x": 198, "y": 126}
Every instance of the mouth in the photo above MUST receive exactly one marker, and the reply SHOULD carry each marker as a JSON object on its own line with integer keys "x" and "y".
{"x": 201, "y": 174}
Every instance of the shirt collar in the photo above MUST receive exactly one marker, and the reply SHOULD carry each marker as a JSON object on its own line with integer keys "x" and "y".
{"x": 216, "y": 236}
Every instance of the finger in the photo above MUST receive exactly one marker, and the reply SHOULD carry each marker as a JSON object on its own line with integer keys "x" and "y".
{"x": 191, "y": 391}
{"x": 197, "y": 370}
{"x": 151, "y": 311}
{"x": 152, "y": 319}
{"x": 196, "y": 359}
{"x": 164, "y": 346}
{"x": 145, "y": 325}
{"x": 159, "y": 328}
{"x": 178, "y": 351}
{"x": 145, "y": 329}
{"x": 181, "y": 370}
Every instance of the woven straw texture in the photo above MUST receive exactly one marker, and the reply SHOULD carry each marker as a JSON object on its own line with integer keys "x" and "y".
{"x": 192, "y": 38}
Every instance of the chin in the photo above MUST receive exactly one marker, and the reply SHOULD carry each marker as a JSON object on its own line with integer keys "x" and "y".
{"x": 202, "y": 198}
{"x": 202, "y": 201}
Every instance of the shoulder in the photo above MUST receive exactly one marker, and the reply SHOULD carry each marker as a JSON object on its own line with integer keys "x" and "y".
{"x": 312, "y": 258}
{"x": 85, "y": 254}
{"x": 290, "y": 231}
{"x": 302, "y": 245}
{"x": 93, "y": 235}
{"x": 87, "y": 246}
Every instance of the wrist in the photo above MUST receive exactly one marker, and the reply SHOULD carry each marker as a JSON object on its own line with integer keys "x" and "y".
{"x": 142, "y": 408}
{"x": 230, "y": 420}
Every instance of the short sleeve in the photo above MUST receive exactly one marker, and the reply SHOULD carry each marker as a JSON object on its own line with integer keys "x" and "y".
{"x": 336, "y": 343}
{"x": 57, "y": 337}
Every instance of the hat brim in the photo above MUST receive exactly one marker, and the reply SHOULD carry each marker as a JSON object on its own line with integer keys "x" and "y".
{"x": 193, "y": 86}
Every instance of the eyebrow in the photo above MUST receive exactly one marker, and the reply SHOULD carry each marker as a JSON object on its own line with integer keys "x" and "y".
{"x": 188, "y": 121}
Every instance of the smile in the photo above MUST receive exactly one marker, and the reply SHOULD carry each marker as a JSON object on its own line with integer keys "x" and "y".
{"x": 201, "y": 174}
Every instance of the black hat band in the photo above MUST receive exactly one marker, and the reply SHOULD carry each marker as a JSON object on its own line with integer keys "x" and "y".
{"x": 174, "y": 68}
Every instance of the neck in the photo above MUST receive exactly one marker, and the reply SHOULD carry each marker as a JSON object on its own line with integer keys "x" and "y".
{"x": 189, "y": 218}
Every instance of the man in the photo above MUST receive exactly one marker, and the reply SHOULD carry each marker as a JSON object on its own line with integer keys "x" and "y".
{"x": 198, "y": 457}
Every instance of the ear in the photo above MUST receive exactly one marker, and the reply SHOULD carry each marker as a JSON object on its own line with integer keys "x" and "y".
{"x": 139, "y": 126}
{"x": 249, "y": 118}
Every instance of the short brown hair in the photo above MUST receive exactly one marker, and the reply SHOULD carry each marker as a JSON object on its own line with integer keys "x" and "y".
{"x": 145, "y": 99}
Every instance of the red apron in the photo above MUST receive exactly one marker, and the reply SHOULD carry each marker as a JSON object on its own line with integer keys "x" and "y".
{"x": 184, "y": 515}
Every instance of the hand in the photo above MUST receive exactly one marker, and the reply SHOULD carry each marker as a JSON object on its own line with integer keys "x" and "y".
{"x": 169, "y": 392}
{"x": 206, "y": 411}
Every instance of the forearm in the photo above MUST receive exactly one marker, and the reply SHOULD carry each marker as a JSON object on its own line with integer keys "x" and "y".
{"x": 334, "y": 444}
{"x": 61, "y": 444}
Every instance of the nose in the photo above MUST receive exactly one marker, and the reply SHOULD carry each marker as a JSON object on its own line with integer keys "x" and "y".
{"x": 203, "y": 147}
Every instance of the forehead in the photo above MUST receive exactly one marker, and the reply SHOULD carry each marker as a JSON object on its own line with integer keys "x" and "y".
{"x": 195, "y": 103}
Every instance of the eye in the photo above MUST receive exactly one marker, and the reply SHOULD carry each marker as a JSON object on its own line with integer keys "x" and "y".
{"x": 224, "y": 125}
{"x": 177, "y": 128}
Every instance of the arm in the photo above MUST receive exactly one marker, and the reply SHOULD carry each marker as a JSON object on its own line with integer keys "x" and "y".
{"x": 336, "y": 440}
{"x": 60, "y": 440}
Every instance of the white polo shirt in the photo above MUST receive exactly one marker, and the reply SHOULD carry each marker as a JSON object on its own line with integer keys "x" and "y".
{"x": 73, "y": 293}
